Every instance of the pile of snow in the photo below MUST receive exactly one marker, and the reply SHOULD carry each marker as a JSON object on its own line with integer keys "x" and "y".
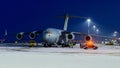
{"x": 25, "y": 57}
{"x": 57, "y": 60}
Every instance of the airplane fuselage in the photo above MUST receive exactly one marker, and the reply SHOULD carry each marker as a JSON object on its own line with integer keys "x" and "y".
{"x": 51, "y": 36}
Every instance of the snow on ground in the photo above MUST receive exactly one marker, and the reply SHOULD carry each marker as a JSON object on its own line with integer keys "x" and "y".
{"x": 25, "y": 57}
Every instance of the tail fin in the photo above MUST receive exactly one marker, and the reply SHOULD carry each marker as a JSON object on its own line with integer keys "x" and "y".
{"x": 66, "y": 22}
{"x": 67, "y": 18}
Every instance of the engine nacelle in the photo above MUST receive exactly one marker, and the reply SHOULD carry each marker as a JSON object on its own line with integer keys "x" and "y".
{"x": 70, "y": 36}
{"x": 19, "y": 36}
{"x": 88, "y": 38}
{"x": 33, "y": 35}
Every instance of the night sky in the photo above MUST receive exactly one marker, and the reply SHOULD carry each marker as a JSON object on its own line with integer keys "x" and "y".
{"x": 30, "y": 15}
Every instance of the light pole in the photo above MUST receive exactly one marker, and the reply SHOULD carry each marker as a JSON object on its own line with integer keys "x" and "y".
{"x": 115, "y": 35}
{"x": 88, "y": 21}
{"x": 97, "y": 30}
{"x": 94, "y": 28}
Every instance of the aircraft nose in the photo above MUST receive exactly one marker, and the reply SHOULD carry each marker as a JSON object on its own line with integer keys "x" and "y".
{"x": 48, "y": 35}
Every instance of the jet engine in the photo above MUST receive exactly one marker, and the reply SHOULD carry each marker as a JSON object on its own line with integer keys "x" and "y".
{"x": 19, "y": 36}
{"x": 33, "y": 35}
{"x": 88, "y": 38}
{"x": 70, "y": 36}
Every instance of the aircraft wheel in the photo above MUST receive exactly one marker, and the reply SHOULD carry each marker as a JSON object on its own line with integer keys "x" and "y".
{"x": 45, "y": 45}
{"x": 95, "y": 47}
{"x": 30, "y": 46}
{"x": 49, "y": 45}
{"x": 63, "y": 45}
{"x": 85, "y": 47}
{"x": 82, "y": 46}
{"x": 59, "y": 46}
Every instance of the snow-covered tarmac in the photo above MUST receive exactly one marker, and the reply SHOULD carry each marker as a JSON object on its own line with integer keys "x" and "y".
{"x": 25, "y": 57}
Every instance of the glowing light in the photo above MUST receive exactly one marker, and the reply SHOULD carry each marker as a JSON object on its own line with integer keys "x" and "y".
{"x": 90, "y": 43}
{"x": 94, "y": 27}
{"x": 88, "y": 20}
{"x": 97, "y": 30}
{"x": 114, "y": 35}
{"x": 115, "y": 32}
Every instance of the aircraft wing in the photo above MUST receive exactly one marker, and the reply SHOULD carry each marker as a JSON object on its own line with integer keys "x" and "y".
{"x": 92, "y": 35}
{"x": 81, "y": 34}
{"x": 76, "y": 33}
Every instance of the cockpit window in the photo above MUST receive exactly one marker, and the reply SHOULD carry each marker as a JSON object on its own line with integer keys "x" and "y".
{"x": 48, "y": 32}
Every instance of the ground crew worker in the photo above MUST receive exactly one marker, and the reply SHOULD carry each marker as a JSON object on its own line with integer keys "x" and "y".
{"x": 16, "y": 42}
{"x": 70, "y": 45}
{"x": 80, "y": 45}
